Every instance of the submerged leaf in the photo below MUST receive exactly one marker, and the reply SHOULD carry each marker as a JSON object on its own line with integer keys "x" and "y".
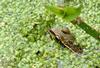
{"x": 56, "y": 10}
{"x": 68, "y": 13}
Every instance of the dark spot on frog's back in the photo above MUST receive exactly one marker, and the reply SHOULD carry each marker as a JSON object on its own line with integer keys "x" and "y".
{"x": 80, "y": 50}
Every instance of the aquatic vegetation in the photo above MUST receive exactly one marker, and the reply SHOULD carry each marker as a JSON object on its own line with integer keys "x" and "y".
{"x": 37, "y": 49}
{"x": 71, "y": 14}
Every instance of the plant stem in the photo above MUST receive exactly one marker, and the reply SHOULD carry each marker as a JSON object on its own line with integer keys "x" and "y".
{"x": 89, "y": 30}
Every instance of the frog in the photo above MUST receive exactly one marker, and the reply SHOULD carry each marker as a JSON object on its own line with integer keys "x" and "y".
{"x": 66, "y": 38}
